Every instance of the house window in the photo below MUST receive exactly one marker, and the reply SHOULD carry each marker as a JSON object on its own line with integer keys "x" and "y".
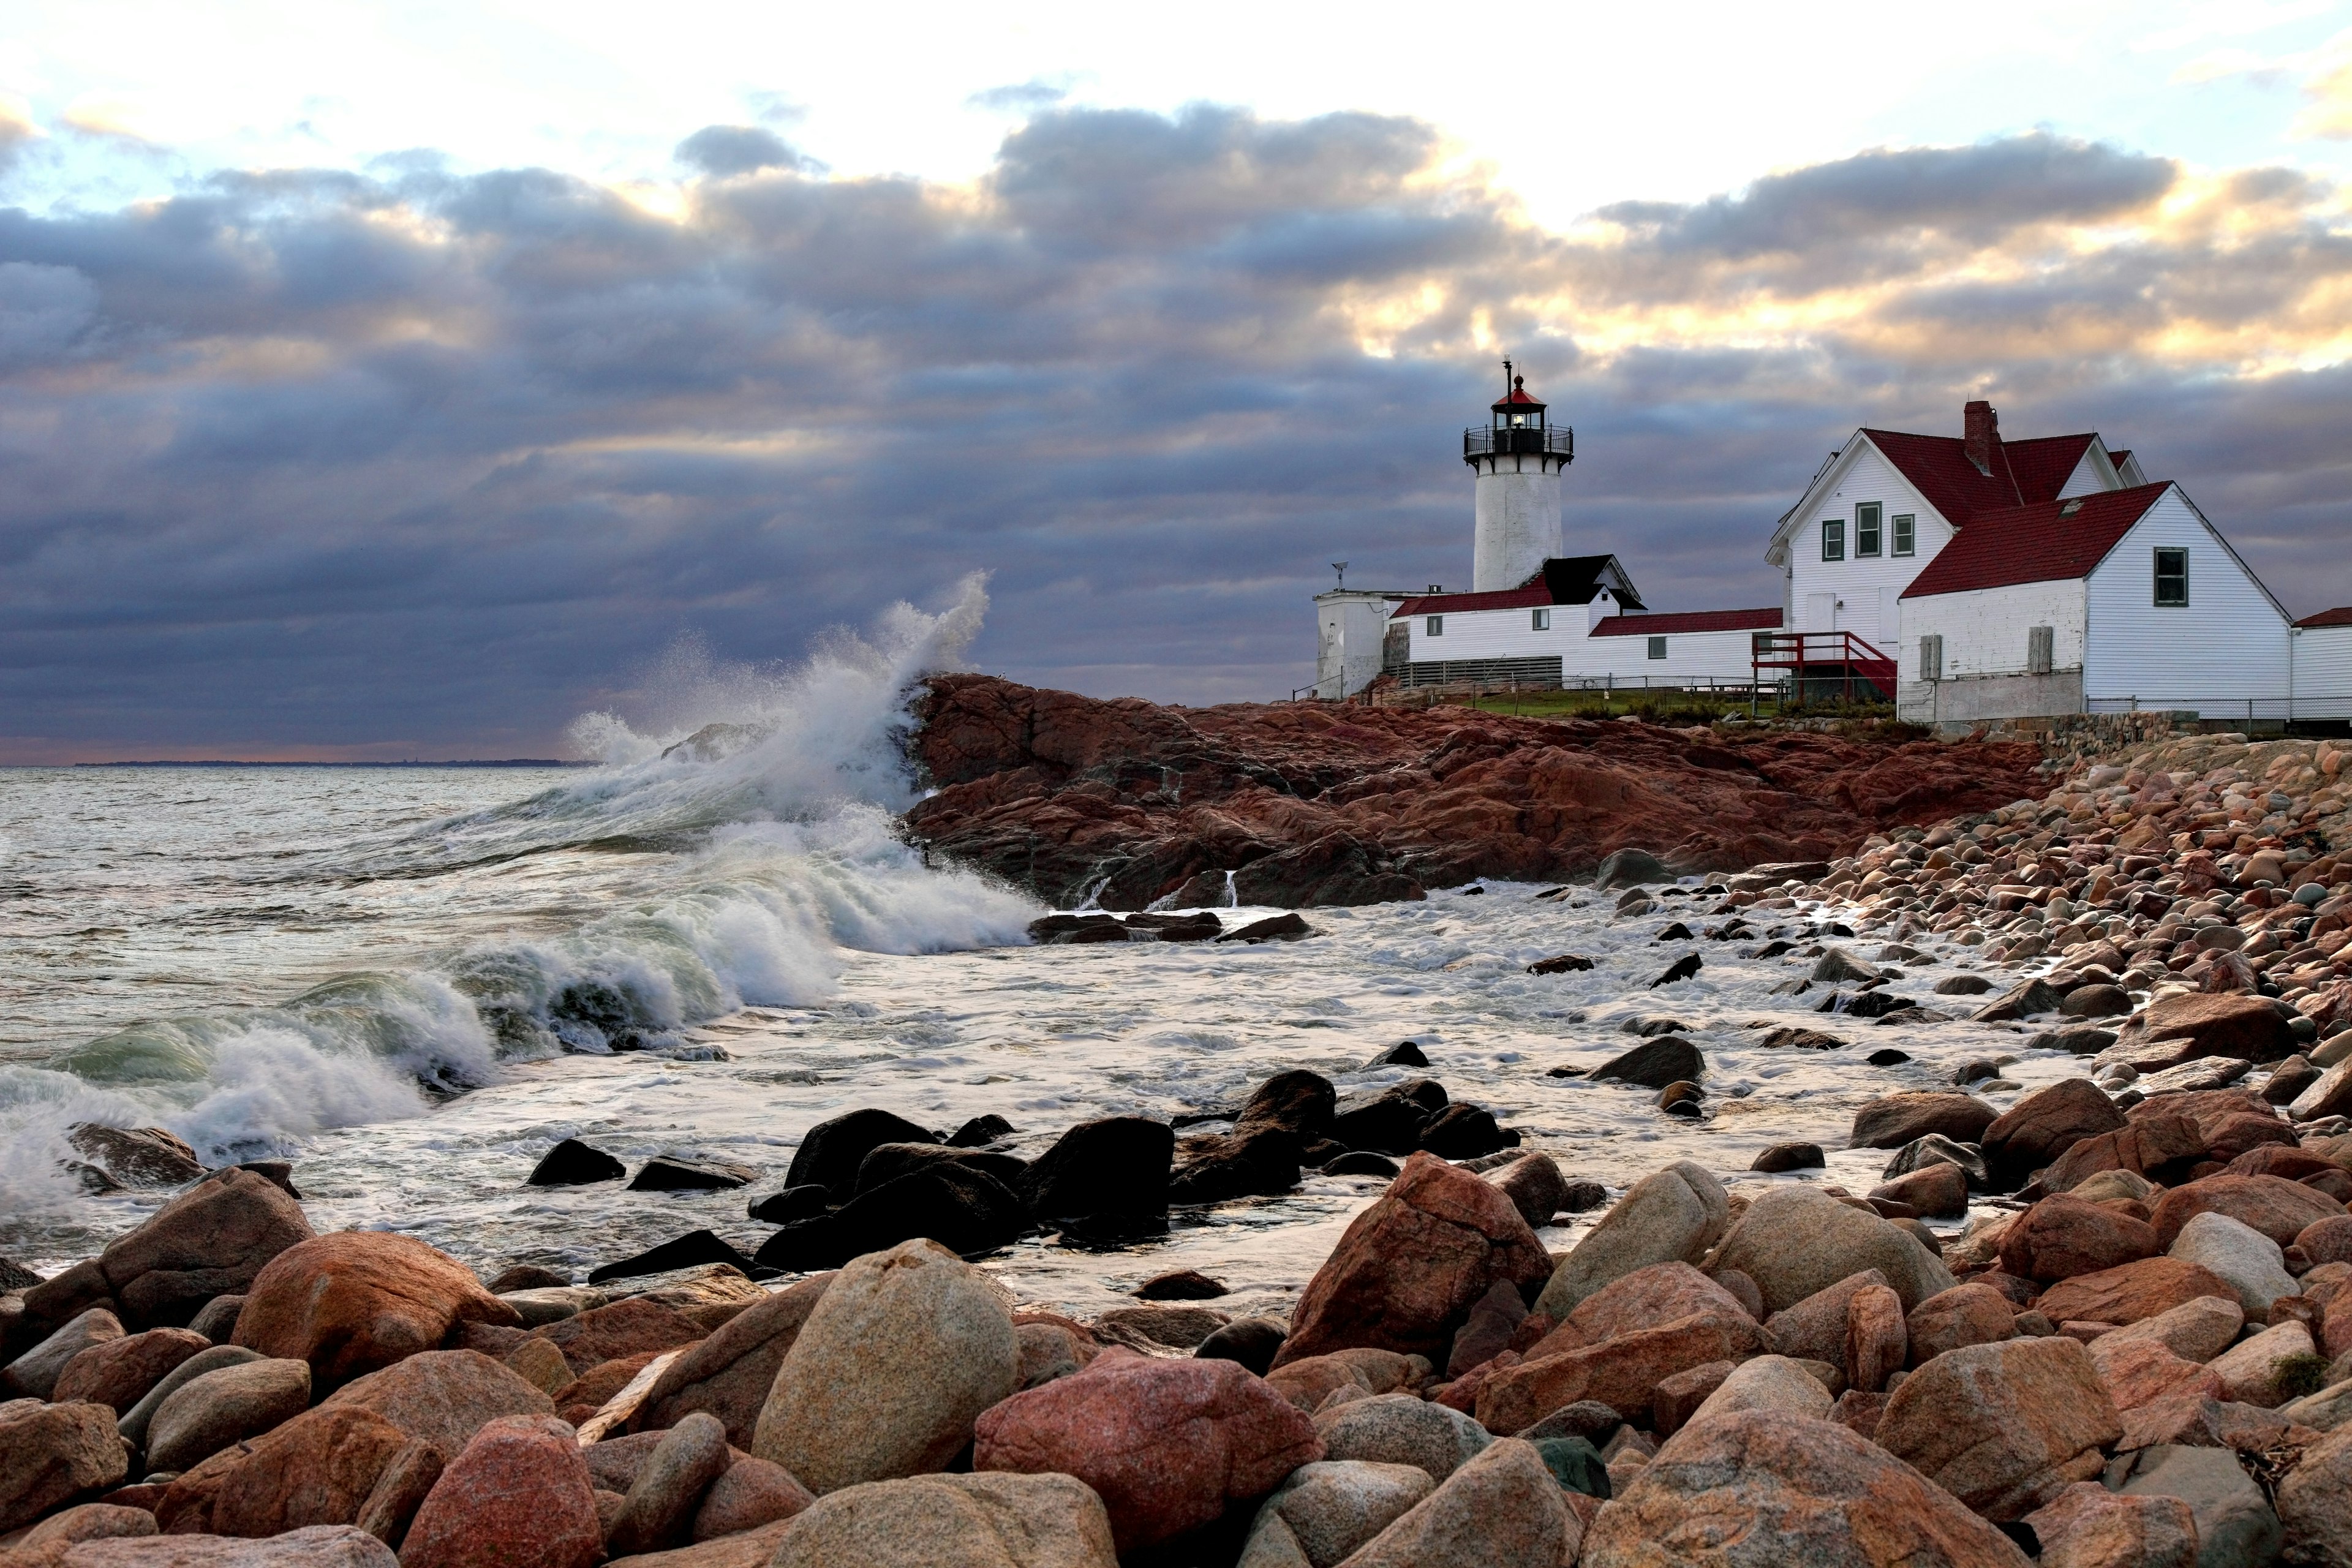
{"x": 1658, "y": 647}
{"x": 2037, "y": 650}
{"x": 1907, "y": 533}
{"x": 2171, "y": 577}
{"x": 1931, "y": 657}
{"x": 1541, "y": 620}
{"x": 1865, "y": 529}
{"x": 1832, "y": 539}
{"x": 1434, "y": 625}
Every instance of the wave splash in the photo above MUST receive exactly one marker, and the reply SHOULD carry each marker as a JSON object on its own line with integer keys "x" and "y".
{"x": 732, "y": 870}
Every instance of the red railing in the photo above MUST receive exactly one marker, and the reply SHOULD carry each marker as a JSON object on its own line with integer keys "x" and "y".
{"x": 1817, "y": 656}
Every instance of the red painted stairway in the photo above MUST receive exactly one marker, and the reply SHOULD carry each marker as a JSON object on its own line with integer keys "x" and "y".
{"x": 1817, "y": 659}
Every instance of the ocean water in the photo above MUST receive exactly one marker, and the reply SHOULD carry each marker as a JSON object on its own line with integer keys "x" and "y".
{"x": 411, "y": 982}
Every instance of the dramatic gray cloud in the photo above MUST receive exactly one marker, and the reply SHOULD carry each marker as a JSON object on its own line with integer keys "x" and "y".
{"x": 423, "y": 463}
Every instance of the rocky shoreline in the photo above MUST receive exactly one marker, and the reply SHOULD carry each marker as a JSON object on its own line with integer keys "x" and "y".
{"x": 2109, "y": 1324}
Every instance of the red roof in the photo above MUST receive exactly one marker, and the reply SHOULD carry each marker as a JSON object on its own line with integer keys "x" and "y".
{"x": 2119, "y": 458}
{"x": 2339, "y": 617}
{"x": 1690, "y": 621}
{"x": 2042, "y": 465}
{"x": 2023, "y": 472}
{"x": 2040, "y": 544}
{"x": 1500, "y": 599}
{"x": 1518, "y": 399}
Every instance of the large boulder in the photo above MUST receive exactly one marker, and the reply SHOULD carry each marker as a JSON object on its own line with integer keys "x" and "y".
{"x": 2045, "y": 1124}
{"x": 1167, "y": 1444}
{"x": 1402, "y": 1430}
{"x": 659, "y": 1508}
{"x": 1966, "y": 1314}
{"x": 1892, "y": 1120}
{"x": 222, "y": 1407}
{"x": 2245, "y": 1260}
{"x": 442, "y": 1396}
{"x": 1793, "y": 1241}
{"x": 960, "y": 1207}
{"x": 355, "y": 1300}
{"x": 1760, "y": 1487}
{"x": 925, "y": 1522}
{"x": 1109, "y": 1175}
{"x": 321, "y": 1468}
{"x": 517, "y": 1496}
{"x": 831, "y": 1152}
{"x": 894, "y": 1364}
{"x": 2161, "y": 1146}
{"x": 2128, "y": 1293}
{"x": 1671, "y": 1216}
{"x": 729, "y": 1373}
{"x": 1502, "y": 1510}
{"x": 50, "y": 1453}
{"x": 1327, "y": 1510}
{"x": 2004, "y": 1427}
{"x": 318, "y": 1546}
{"x": 2061, "y": 1237}
{"x": 1535, "y": 1185}
{"x": 2176, "y": 1029}
{"x": 1646, "y": 1299}
{"x": 1623, "y": 1372}
{"x": 632, "y": 1326}
{"x": 1412, "y": 1264}
{"x": 35, "y": 1373}
{"x": 2235, "y": 1523}
{"x": 211, "y": 1240}
{"x": 2087, "y": 1526}
{"x": 2315, "y": 1502}
{"x": 2278, "y": 1208}
{"x": 118, "y": 1372}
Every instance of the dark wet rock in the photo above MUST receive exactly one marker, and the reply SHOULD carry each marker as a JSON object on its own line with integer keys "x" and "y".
{"x": 1681, "y": 1100}
{"x": 1260, "y": 1161}
{"x": 1058, "y": 930}
{"x": 2081, "y": 1040}
{"x": 1362, "y": 1163}
{"x": 278, "y": 1174}
{"x": 216, "y": 1319}
{"x": 14, "y": 1277}
{"x": 675, "y": 1173}
{"x": 1535, "y": 1185}
{"x": 1466, "y": 1132}
{"x": 831, "y": 1150}
{"x": 137, "y": 1157}
{"x": 982, "y": 1130}
{"x": 2288, "y": 1079}
{"x": 1654, "y": 1025}
{"x": 1273, "y": 927}
{"x": 1403, "y": 1053}
{"x": 888, "y": 1162}
{"x": 791, "y": 1204}
{"x": 2023, "y": 1000}
{"x": 2043, "y": 1125}
{"x": 1113, "y": 1169}
{"x": 1682, "y": 968}
{"x": 1565, "y": 963}
{"x": 1934, "y": 1149}
{"x": 1199, "y": 926}
{"x": 1253, "y": 1342}
{"x": 964, "y": 1210}
{"x": 1298, "y": 1100}
{"x": 1782, "y": 1157}
{"x": 1887, "y": 1057}
{"x": 1655, "y": 1064}
{"x": 1182, "y": 1285}
{"x": 1391, "y": 1119}
{"x": 1962, "y": 985}
{"x": 527, "y": 1277}
{"x": 1839, "y": 966}
{"x": 1895, "y": 1119}
{"x": 1583, "y": 1196}
{"x": 1673, "y": 931}
{"x": 694, "y": 1248}
{"x": 572, "y": 1163}
{"x": 1875, "y": 1005}
{"x": 1628, "y": 867}
{"x": 1791, "y": 1038}
{"x": 1589, "y": 1419}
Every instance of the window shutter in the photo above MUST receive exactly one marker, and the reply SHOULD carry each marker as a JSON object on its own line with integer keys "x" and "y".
{"x": 1931, "y": 658}
{"x": 2037, "y": 650}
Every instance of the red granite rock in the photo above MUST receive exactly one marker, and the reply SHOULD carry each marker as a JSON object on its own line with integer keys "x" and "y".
{"x": 1166, "y": 1443}
{"x": 318, "y": 1469}
{"x": 1875, "y": 1340}
{"x": 629, "y": 1327}
{"x": 2127, "y": 1294}
{"x": 2043, "y": 1125}
{"x": 119, "y": 1372}
{"x": 356, "y": 1300}
{"x": 517, "y": 1497}
{"x": 2150, "y": 1146}
{"x": 1623, "y": 1372}
{"x": 2061, "y": 1237}
{"x": 2142, "y": 1371}
{"x": 1411, "y": 1266}
{"x": 2277, "y": 1208}
{"x": 2004, "y": 1427}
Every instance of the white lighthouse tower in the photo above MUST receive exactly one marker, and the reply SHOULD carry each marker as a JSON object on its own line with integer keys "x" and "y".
{"x": 1518, "y": 458}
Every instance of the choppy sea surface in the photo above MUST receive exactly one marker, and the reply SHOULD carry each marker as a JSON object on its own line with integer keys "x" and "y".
{"x": 411, "y": 982}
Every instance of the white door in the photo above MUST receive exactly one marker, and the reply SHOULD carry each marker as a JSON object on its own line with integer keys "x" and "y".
{"x": 1890, "y": 621}
{"x": 1821, "y": 612}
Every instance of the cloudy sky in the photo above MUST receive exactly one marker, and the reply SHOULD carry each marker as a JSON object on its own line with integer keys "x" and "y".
{"x": 402, "y": 380}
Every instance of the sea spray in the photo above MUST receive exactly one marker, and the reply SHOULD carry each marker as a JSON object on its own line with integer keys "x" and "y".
{"x": 608, "y": 913}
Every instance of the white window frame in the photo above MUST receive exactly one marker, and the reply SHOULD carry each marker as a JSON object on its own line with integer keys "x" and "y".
{"x": 1906, "y": 534}
{"x": 1869, "y": 529}
{"x": 1539, "y": 621}
{"x": 1433, "y": 625}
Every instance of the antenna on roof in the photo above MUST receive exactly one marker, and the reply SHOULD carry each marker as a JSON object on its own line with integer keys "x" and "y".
{"x": 1341, "y": 568}
{"x": 1506, "y": 378}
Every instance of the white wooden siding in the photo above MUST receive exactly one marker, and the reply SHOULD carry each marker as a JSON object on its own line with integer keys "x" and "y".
{"x": 2089, "y": 477}
{"x": 2323, "y": 669}
{"x": 1690, "y": 655}
{"x": 1508, "y": 633}
{"x": 1855, "y": 584}
{"x": 1498, "y": 633}
{"x": 1985, "y": 630}
{"x": 2226, "y": 647}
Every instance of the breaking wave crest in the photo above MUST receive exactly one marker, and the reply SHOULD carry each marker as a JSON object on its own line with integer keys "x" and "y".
{"x": 725, "y": 854}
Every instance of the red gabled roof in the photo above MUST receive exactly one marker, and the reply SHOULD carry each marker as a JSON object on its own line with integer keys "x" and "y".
{"x": 2120, "y": 457}
{"x": 1939, "y": 469}
{"x": 1518, "y": 399}
{"x": 2339, "y": 617}
{"x": 1690, "y": 621}
{"x": 2041, "y": 466}
{"x": 1461, "y": 603}
{"x": 2040, "y": 544}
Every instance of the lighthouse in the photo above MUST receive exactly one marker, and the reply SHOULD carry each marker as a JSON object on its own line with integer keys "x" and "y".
{"x": 1518, "y": 457}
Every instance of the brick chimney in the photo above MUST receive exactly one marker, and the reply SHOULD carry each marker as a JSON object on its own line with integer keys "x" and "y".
{"x": 1981, "y": 434}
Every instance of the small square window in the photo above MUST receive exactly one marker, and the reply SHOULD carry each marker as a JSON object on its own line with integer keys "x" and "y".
{"x": 1435, "y": 625}
{"x": 1907, "y": 533}
{"x": 1658, "y": 647}
{"x": 2171, "y": 577}
{"x": 1833, "y": 539}
{"x": 1541, "y": 620}
{"x": 1865, "y": 529}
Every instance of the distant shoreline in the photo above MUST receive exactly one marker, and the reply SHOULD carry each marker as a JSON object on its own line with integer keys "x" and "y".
{"x": 502, "y": 762}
